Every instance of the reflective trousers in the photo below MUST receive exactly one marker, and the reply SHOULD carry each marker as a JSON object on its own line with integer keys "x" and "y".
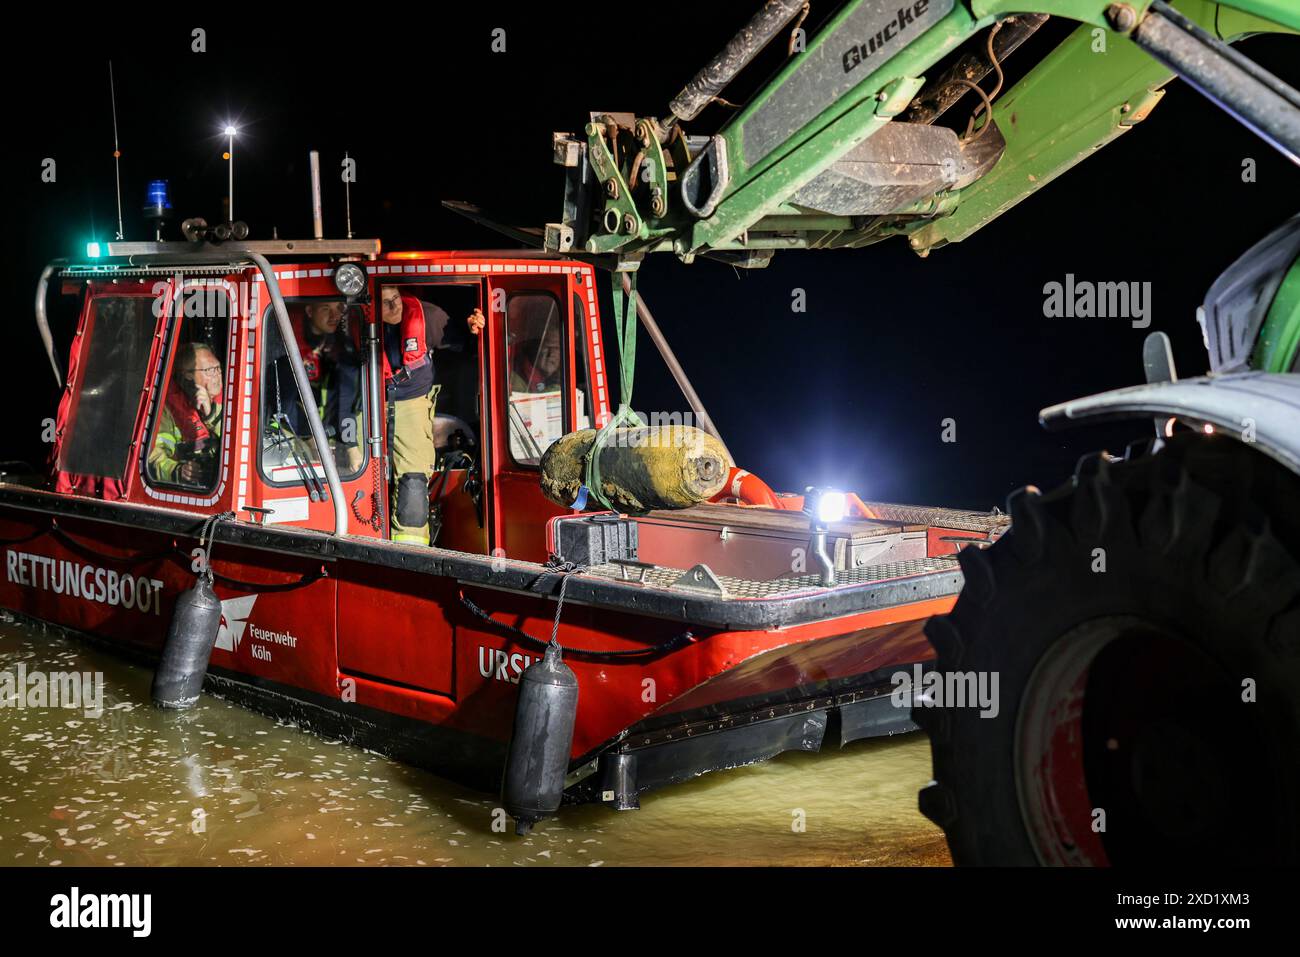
{"x": 413, "y": 460}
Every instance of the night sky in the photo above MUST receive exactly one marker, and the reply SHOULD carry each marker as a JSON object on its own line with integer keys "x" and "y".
{"x": 850, "y": 393}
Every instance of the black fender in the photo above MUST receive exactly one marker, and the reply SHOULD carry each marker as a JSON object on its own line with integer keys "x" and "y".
{"x": 1261, "y": 409}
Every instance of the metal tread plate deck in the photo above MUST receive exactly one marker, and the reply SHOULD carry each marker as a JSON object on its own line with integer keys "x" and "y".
{"x": 694, "y": 608}
{"x": 886, "y": 517}
{"x": 745, "y": 589}
{"x": 941, "y": 517}
{"x": 774, "y": 521}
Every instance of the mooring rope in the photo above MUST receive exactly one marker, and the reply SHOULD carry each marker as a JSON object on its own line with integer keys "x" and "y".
{"x": 210, "y": 529}
{"x": 7, "y": 542}
{"x": 85, "y": 551}
{"x": 174, "y": 553}
{"x": 567, "y": 570}
{"x": 306, "y": 578}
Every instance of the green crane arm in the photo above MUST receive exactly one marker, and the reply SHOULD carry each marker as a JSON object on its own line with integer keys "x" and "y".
{"x": 841, "y": 149}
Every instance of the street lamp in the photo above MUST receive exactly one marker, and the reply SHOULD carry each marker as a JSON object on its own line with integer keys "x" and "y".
{"x": 230, "y": 132}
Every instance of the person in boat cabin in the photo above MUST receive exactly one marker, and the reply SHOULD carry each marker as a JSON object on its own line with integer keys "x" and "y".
{"x": 333, "y": 366}
{"x": 537, "y": 366}
{"x": 187, "y": 442}
{"x": 412, "y": 330}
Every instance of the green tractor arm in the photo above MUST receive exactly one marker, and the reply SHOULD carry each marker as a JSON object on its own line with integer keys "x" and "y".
{"x": 1073, "y": 103}
{"x": 841, "y": 148}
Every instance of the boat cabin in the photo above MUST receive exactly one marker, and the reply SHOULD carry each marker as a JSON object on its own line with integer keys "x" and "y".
{"x": 150, "y": 333}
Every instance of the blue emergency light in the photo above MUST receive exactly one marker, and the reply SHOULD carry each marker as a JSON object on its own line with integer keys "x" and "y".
{"x": 156, "y": 204}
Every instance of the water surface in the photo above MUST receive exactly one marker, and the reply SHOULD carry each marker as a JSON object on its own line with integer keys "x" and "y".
{"x": 220, "y": 785}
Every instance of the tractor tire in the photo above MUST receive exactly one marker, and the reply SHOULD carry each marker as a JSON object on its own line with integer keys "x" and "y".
{"x": 1143, "y": 625}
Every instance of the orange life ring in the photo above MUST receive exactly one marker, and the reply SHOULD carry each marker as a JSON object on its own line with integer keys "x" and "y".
{"x": 747, "y": 489}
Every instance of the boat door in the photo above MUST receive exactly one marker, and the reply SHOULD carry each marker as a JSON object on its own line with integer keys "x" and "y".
{"x": 456, "y": 490}
{"x": 540, "y": 391}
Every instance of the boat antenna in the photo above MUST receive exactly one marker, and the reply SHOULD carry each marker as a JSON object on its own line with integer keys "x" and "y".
{"x": 117, "y": 153}
{"x": 313, "y": 160}
{"x": 347, "y": 194}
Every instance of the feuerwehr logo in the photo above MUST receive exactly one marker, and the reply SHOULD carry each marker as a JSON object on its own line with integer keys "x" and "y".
{"x": 234, "y": 619}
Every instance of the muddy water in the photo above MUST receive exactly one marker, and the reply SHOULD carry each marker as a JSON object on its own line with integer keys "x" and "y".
{"x": 220, "y": 785}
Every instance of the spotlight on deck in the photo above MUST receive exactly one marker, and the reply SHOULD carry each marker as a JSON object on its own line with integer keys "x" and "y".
{"x": 824, "y": 506}
{"x": 92, "y": 250}
{"x": 832, "y": 506}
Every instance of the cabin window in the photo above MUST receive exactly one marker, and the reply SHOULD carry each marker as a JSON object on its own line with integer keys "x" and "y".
{"x": 190, "y": 403}
{"x": 328, "y": 334}
{"x": 535, "y": 378}
{"x": 113, "y": 363}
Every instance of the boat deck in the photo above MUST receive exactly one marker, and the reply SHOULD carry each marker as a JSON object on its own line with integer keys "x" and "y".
{"x": 669, "y": 579}
{"x": 703, "y": 599}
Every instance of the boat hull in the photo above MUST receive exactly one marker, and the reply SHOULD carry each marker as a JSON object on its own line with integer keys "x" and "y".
{"x": 380, "y": 648}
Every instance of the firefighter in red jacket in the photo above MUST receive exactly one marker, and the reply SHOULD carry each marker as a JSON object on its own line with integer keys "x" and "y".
{"x": 412, "y": 394}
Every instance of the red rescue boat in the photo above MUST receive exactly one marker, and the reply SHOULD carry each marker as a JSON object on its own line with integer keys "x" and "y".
{"x": 705, "y": 638}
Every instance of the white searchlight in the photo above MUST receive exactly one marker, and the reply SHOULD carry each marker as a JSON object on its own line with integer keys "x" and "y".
{"x": 823, "y": 507}
{"x": 350, "y": 279}
{"x": 832, "y": 506}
